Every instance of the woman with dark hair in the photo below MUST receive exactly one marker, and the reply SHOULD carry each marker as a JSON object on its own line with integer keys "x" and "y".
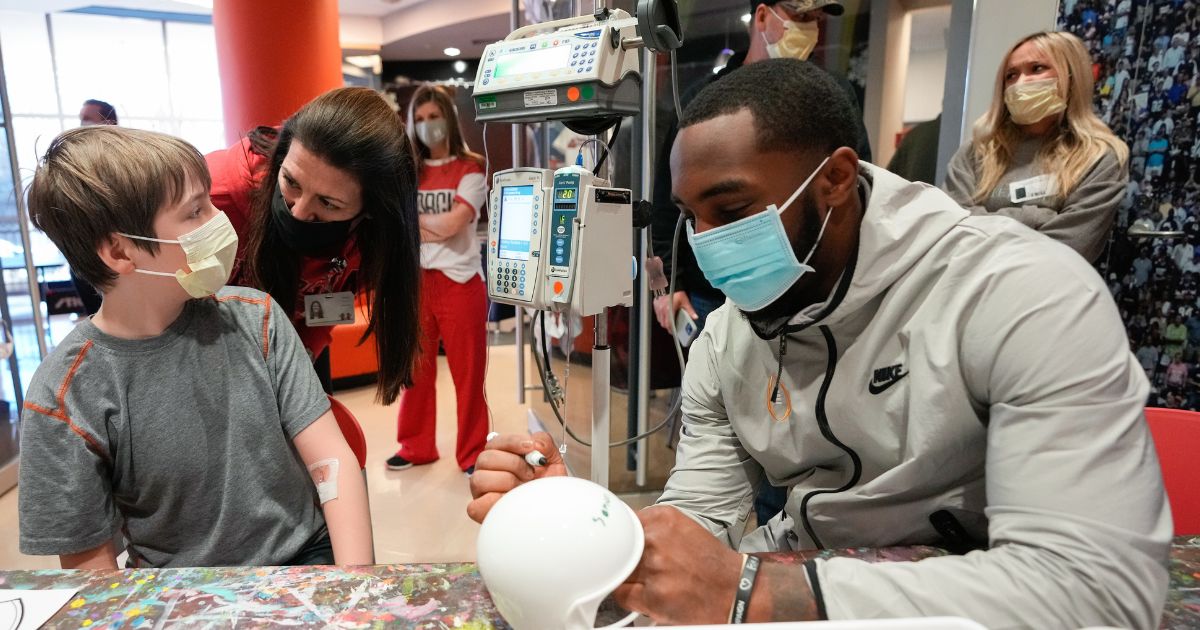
{"x": 331, "y": 208}
{"x": 451, "y": 193}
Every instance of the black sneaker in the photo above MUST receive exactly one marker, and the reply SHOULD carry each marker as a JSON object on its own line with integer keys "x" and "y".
{"x": 395, "y": 462}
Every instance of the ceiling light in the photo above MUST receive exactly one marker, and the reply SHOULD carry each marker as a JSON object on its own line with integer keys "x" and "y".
{"x": 452, "y": 52}
{"x": 746, "y": 19}
{"x": 460, "y": 66}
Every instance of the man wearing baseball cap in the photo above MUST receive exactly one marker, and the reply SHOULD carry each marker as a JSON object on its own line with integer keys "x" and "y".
{"x": 778, "y": 29}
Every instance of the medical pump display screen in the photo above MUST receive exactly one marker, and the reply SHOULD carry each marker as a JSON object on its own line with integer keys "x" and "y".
{"x": 531, "y": 61}
{"x": 516, "y": 222}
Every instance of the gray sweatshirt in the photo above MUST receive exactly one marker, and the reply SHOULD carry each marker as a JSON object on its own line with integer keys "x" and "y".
{"x": 1081, "y": 219}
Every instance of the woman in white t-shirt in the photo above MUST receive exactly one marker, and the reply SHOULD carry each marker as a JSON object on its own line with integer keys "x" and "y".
{"x": 451, "y": 193}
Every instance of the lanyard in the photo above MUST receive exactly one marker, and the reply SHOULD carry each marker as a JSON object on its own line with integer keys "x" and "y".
{"x": 337, "y": 267}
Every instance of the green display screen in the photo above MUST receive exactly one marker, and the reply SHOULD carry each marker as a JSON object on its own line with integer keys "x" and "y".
{"x": 566, "y": 193}
{"x": 529, "y": 61}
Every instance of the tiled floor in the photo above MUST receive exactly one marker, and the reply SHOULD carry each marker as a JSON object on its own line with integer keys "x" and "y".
{"x": 419, "y": 514}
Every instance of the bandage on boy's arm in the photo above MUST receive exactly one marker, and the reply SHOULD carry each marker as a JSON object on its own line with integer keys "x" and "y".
{"x": 103, "y": 557}
{"x": 345, "y": 503}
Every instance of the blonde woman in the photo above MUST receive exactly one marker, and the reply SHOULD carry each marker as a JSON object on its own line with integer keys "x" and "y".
{"x": 451, "y": 192}
{"x": 1041, "y": 155}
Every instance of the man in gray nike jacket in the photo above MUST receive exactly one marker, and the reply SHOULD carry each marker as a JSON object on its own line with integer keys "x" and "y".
{"x": 914, "y": 375}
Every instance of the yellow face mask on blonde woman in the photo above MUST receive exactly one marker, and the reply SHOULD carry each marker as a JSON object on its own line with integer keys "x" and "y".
{"x": 1033, "y": 101}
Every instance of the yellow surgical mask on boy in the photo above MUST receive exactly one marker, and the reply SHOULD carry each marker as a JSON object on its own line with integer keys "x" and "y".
{"x": 211, "y": 250}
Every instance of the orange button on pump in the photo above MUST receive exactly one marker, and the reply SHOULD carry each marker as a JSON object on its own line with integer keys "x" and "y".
{"x": 558, "y": 288}
{"x": 572, "y": 94}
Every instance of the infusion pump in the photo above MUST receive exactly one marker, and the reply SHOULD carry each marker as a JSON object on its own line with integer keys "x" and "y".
{"x": 579, "y": 70}
{"x": 559, "y": 239}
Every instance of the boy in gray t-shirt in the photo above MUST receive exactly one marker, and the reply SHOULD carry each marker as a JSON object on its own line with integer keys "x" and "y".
{"x": 188, "y": 413}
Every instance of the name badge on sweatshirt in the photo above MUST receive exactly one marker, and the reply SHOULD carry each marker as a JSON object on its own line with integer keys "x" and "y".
{"x": 1032, "y": 189}
{"x": 329, "y": 309}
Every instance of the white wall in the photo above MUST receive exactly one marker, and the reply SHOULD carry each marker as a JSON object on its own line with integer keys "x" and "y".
{"x": 981, "y": 32}
{"x": 428, "y": 16}
{"x": 887, "y": 74}
{"x": 926, "y": 82}
{"x": 360, "y": 32}
{"x": 926, "y": 63}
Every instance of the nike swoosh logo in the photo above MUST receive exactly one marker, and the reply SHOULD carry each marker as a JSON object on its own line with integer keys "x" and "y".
{"x": 883, "y": 387}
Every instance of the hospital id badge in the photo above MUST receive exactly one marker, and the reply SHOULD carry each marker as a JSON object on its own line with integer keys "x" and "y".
{"x": 329, "y": 309}
{"x": 1032, "y": 189}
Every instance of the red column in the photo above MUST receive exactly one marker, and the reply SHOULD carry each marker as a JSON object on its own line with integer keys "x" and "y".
{"x": 274, "y": 56}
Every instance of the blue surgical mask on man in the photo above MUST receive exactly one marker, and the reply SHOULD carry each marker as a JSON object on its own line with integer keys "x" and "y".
{"x": 751, "y": 260}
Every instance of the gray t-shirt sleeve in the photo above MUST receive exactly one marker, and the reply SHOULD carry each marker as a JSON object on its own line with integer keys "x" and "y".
{"x": 65, "y": 500}
{"x": 297, "y": 388}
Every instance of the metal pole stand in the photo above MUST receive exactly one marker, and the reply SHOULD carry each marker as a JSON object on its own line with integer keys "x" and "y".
{"x": 601, "y": 408}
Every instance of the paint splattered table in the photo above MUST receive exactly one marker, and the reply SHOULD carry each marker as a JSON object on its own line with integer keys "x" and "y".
{"x": 1183, "y": 600}
{"x": 423, "y": 596}
{"x": 412, "y": 596}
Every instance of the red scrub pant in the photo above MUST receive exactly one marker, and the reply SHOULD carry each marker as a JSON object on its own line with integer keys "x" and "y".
{"x": 456, "y": 314}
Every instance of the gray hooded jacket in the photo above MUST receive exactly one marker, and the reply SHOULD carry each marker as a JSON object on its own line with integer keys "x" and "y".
{"x": 966, "y": 367}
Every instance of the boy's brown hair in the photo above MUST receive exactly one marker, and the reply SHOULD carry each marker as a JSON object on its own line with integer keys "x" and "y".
{"x": 96, "y": 181}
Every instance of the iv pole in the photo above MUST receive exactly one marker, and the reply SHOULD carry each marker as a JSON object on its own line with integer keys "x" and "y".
{"x": 601, "y": 351}
{"x": 601, "y": 393}
{"x": 518, "y": 138}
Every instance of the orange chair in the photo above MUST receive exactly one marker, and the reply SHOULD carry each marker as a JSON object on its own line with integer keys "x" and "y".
{"x": 350, "y": 430}
{"x": 1177, "y": 440}
{"x": 351, "y": 364}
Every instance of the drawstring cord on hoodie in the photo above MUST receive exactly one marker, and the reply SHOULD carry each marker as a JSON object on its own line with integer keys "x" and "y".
{"x": 775, "y": 386}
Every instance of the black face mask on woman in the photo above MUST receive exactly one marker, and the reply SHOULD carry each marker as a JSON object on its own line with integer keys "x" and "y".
{"x": 310, "y": 238}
